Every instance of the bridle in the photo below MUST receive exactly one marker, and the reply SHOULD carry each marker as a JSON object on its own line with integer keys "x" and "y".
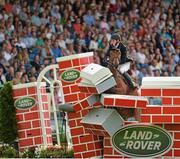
{"x": 114, "y": 54}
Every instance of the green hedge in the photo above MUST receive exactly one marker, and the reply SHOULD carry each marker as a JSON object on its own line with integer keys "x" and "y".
{"x": 8, "y": 123}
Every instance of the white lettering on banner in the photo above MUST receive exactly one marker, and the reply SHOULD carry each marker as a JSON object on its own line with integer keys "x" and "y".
{"x": 25, "y": 103}
{"x": 142, "y": 145}
{"x": 142, "y": 135}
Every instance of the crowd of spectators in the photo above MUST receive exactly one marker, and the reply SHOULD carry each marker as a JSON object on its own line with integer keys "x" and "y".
{"x": 33, "y": 33}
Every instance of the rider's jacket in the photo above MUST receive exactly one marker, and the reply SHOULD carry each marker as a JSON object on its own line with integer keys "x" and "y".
{"x": 123, "y": 50}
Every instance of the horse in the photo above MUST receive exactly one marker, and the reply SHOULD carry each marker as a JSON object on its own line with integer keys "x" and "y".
{"x": 121, "y": 87}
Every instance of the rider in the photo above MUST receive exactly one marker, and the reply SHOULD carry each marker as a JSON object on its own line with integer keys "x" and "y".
{"x": 115, "y": 42}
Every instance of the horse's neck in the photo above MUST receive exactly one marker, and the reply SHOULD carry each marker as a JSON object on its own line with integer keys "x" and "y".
{"x": 114, "y": 71}
{"x": 121, "y": 86}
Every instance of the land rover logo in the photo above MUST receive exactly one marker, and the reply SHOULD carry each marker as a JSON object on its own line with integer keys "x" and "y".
{"x": 70, "y": 75}
{"x": 142, "y": 141}
{"x": 25, "y": 103}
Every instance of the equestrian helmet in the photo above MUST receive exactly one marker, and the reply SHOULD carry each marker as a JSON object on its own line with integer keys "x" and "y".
{"x": 116, "y": 37}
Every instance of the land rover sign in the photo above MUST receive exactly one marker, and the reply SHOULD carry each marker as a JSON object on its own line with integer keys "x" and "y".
{"x": 25, "y": 103}
{"x": 142, "y": 141}
{"x": 70, "y": 75}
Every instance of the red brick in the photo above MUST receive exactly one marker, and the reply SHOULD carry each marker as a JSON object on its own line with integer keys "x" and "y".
{"x": 66, "y": 90}
{"x": 84, "y": 61}
{"x": 91, "y": 59}
{"x": 161, "y": 119}
{"x": 31, "y": 116}
{"x": 75, "y": 140}
{"x": 177, "y": 153}
{"x": 150, "y": 92}
{"x": 49, "y": 140}
{"x": 176, "y": 101}
{"x": 45, "y": 106}
{"x": 116, "y": 153}
{"x": 75, "y": 62}
{"x": 48, "y": 131}
{"x": 141, "y": 104}
{"x": 78, "y": 80}
{"x": 145, "y": 119}
{"x": 77, "y": 155}
{"x": 74, "y": 115}
{"x": 43, "y": 90}
{"x": 92, "y": 90}
{"x": 66, "y": 83}
{"x": 176, "y": 135}
{"x": 166, "y": 101}
{"x": 84, "y": 112}
{"x": 61, "y": 70}
{"x": 89, "y": 154}
{"x": 47, "y": 123}
{"x": 74, "y": 88}
{"x": 46, "y": 115}
{"x": 152, "y": 110}
{"x": 19, "y": 117}
{"x": 81, "y": 96}
{"x": 78, "y": 122}
{"x": 90, "y": 146}
{"x": 88, "y": 126}
{"x": 21, "y": 134}
{"x": 85, "y": 104}
{"x": 33, "y": 132}
{"x": 65, "y": 64}
{"x": 72, "y": 123}
{"x": 176, "y": 119}
{"x": 34, "y": 108}
{"x": 77, "y": 131}
{"x": 86, "y": 138}
{"x": 107, "y": 142}
{"x": 171, "y": 92}
{"x": 80, "y": 148}
{"x": 70, "y": 98}
{"x": 19, "y": 92}
{"x": 172, "y": 127}
{"x": 98, "y": 145}
{"x": 110, "y": 156}
{"x": 24, "y": 125}
{"x": 125, "y": 103}
{"x": 38, "y": 140}
{"x": 22, "y": 111}
{"x": 108, "y": 150}
{"x": 169, "y": 153}
{"x": 108, "y": 101}
{"x": 32, "y": 90}
{"x": 98, "y": 127}
{"x": 99, "y": 152}
{"x": 77, "y": 107}
{"x": 36, "y": 123}
{"x": 44, "y": 98}
{"x": 176, "y": 144}
{"x": 25, "y": 142}
{"x": 83, "y": 89}
{"x": 171, "y": 110}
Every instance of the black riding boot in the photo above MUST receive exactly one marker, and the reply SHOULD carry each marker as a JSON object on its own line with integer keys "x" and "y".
{"x": 129, "y": 80}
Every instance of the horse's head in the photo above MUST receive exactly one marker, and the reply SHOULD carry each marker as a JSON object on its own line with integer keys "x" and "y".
{"x": 115, "y": 56}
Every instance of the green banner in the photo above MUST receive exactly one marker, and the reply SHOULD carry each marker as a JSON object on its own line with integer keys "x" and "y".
{"x": 25, "y": 103}
{"x": 142, "y": 140}
{"x": 70, "y": 75}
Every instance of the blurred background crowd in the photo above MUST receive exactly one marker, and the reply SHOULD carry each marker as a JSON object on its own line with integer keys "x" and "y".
{"x": 33, "y": 33}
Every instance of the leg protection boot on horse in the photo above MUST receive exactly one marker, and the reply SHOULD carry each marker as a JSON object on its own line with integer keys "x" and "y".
{"x": 129, "y": 81}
